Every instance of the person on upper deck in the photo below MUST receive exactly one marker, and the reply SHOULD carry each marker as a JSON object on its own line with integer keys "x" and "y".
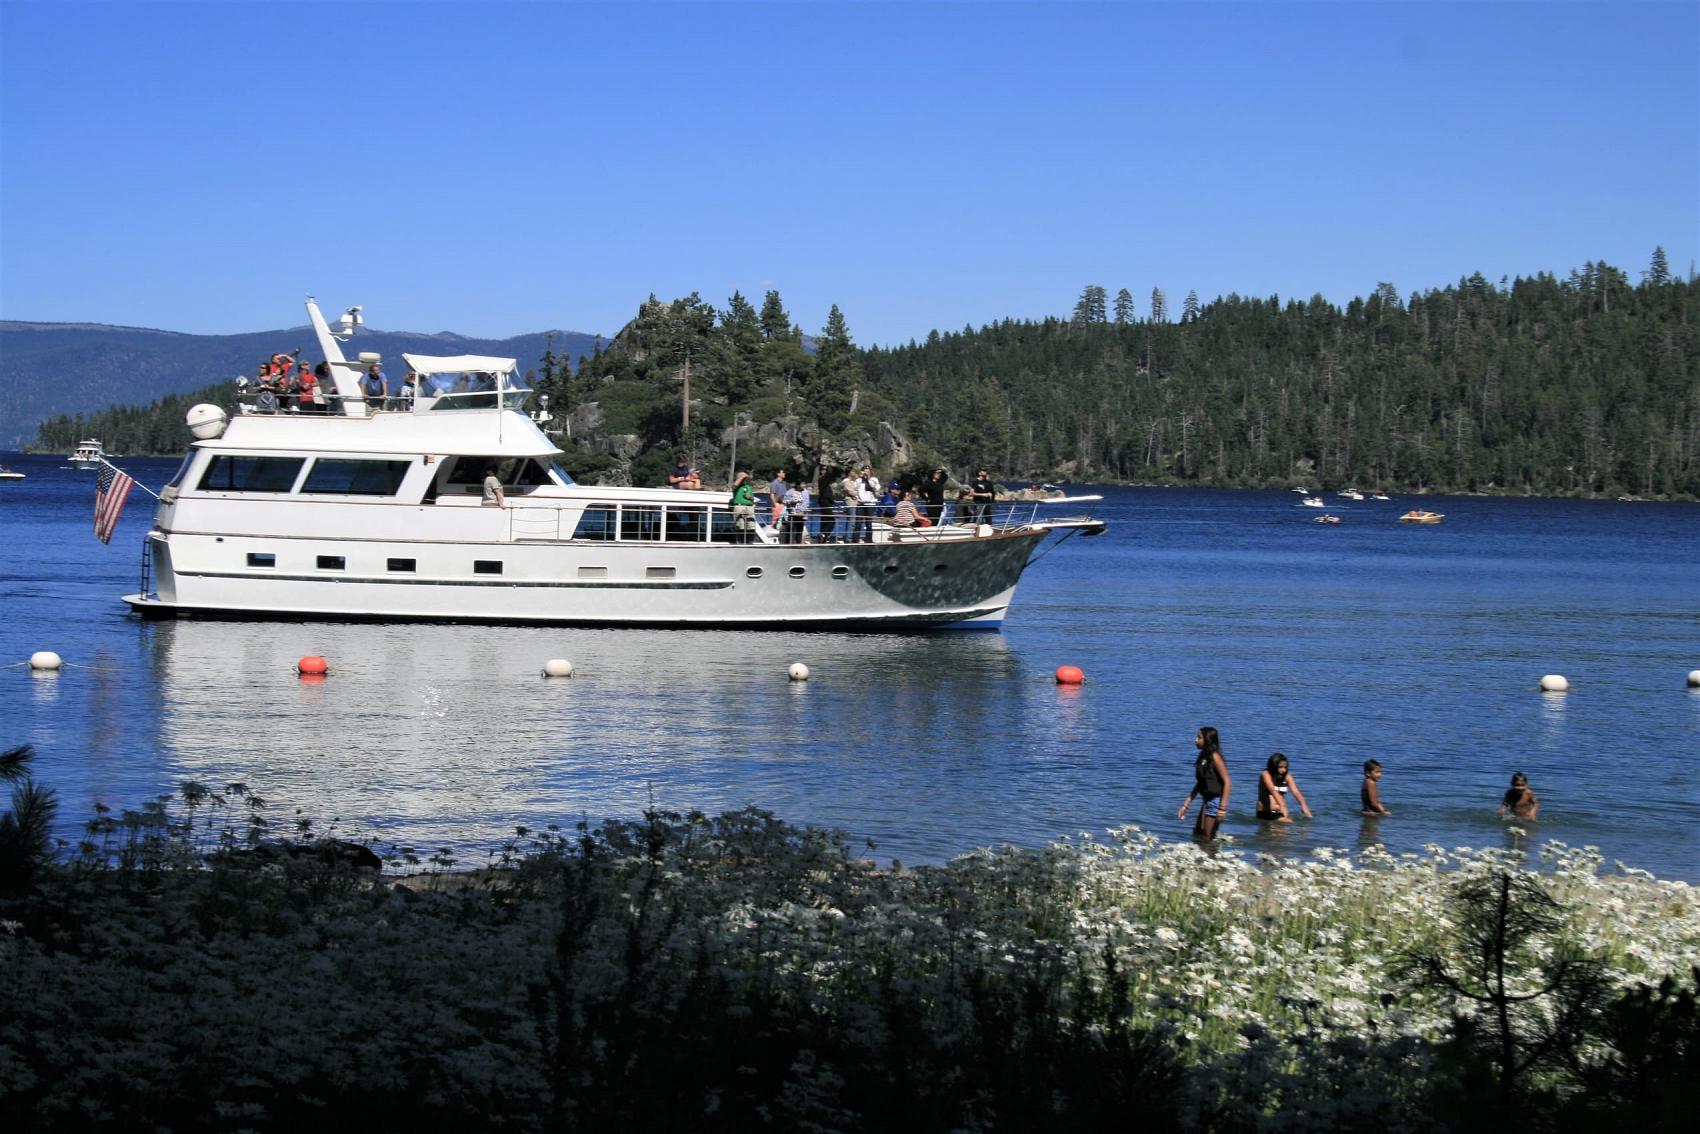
{"x": 682, "y": 475}
{"x": 373, "y": 387}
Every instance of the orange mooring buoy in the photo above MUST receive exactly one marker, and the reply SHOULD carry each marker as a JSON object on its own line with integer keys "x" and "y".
{"x": 1069, "y": 675}
{"x": 312, "y": 666}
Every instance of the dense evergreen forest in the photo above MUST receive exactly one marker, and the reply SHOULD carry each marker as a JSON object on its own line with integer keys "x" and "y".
{"x": 1586, "y": 385}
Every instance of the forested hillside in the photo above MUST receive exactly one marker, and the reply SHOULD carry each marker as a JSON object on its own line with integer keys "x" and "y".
{"x": 1587, "y": 385}
{"x": 1542, "y": 385}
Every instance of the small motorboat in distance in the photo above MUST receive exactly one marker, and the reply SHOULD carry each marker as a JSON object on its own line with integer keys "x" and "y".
{"x": 1325, "y": 518}
{"x": 87, "y": 455}
{"x": 1379, "y": 495}
{"x": 10, "y": 474}
{"x": 1302, "y": 490}
{"x": 1312, "y": 502}
{"x": 1419, "y": 516}
{"x": 1349, "y": 494}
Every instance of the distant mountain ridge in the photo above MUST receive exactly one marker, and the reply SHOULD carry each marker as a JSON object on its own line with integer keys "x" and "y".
{"x": 49, "y": 369}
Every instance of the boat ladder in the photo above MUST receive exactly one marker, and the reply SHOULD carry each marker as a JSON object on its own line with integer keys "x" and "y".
{"x": 147, "y": 566}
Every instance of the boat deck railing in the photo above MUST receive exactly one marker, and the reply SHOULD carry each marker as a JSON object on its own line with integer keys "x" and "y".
{"x": 697, "y": 521}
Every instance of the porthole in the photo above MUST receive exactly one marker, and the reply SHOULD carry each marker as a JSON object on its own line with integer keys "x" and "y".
{"x": 332, "y": 563}
{"x": 890, "y": 568}
{"x": 754, "y": 572}
{"x": 261, "y": 559}
{"x": 799, "y": 572}
{"x": 940, "y": 567}
{"x": 660, "y": 572}
{"x": 403, "y": 565}
{"x": 841, "y": 572}
{"x": 486, "y": 566}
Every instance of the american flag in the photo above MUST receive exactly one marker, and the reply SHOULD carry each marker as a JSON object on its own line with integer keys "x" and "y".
{"x": 111, "y": 490}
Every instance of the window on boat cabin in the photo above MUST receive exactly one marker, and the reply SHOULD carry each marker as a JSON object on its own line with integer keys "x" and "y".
{"x": 229, "y": 473}
{"x": 332, "y": 563}
{"x": 486, "y": 566}
{"x": 465, "y": 475}
{"x": 345, "y": 477}
{"x": 723, "y": 528}
{"x": 639, "y": 522}
{"x": 403, "y": 565}
{"x": 597, "y": 522}
{"x": 261, "y": 559}
{"x": 177, "y": 477}
{"x": 687, "y": 524}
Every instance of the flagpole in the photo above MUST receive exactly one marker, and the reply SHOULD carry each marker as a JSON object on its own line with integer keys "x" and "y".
{"x": 138, "y": 483}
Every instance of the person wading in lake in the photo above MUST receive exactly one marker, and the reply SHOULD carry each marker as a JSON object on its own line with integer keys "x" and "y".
{"x": 1520, "y": 801}
{"x": 1211, "y": 783}
{"x": 1273, "y": 787}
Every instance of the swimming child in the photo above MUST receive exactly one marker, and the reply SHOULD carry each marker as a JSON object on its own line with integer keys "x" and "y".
{"x": 1520, "y": 799}
{"x": 1273, "y": 786}
{"x": 1370, "y": 794}
{"x": 1210, "y": 781}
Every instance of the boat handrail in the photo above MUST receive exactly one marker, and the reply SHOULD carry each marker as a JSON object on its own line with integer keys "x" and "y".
{"x": 531, "y": 520}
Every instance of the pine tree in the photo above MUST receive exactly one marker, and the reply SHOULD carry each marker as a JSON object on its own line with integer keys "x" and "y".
{"x": 1658, "y": 272}
{"x": 1189, "y": 309}
{"x": 1124, "y": 307}
{"x": 775, "y": 323}
{"x": 1159, "y": 306}
{"x": 1093, "y": 305}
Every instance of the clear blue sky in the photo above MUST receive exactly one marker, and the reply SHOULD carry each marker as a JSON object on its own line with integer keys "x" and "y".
{"x": 499, "y": 168}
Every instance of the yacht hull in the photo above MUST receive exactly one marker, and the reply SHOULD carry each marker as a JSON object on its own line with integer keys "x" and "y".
{"x": 965, "y": 583}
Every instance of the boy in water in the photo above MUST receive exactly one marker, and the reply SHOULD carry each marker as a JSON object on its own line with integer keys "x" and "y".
{"x": 1520, "y": 799}
{"x": 1370, "y": 794}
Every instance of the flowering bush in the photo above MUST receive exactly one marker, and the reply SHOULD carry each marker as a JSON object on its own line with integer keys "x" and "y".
{"x": 735, "y": 972}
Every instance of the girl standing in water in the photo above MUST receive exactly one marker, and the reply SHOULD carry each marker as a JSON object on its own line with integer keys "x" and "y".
{"x": 1211, "y": 782}
{"x": 1273, "y": 787}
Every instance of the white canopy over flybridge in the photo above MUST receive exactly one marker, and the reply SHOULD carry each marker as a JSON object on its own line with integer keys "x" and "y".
{"x": 460, "y": 363}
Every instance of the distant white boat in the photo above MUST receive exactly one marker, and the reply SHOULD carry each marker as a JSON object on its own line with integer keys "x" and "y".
{"x": 1349, "y": 494}
{"x": 87, "y": 455}
{"x": 1305, "y": 491}
{"x": 10, "y": 474}
{"x": 1381, "y": 496}
{"x": 1312, "y": 502}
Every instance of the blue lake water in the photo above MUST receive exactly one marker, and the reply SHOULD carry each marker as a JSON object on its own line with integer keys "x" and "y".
{"x": 1418, "y": 646}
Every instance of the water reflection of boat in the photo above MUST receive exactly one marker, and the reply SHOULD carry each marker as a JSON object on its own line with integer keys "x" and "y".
{"x": 448, "y": 506}
{"x": 439, "y": 735}
{"x": 1420, "y": 516}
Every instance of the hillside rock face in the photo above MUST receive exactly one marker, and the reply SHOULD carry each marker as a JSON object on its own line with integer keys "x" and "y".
{"x": 883, "y": 447}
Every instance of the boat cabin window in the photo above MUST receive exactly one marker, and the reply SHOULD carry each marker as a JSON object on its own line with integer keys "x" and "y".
{"x": 471, "y": 389}
{"x": 466, "y": 474}
{"x": 334, "y": 475}
{"x": 597, "y": 522}
{"x": 687, "y": 524}
{"x": 177, "y": 477}
{"x": 640, "y": 523}
{"x": 228, "y": 473}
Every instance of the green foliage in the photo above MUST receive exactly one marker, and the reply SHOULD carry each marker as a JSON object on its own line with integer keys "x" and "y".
{"x": 26, "y": 830}
{"x": 1579, "y": 386}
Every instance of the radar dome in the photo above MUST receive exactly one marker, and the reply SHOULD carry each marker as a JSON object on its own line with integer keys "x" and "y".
{"x": 206, "y": 421}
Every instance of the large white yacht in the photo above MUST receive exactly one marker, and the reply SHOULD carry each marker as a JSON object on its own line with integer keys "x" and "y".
{"x": 352, "y": 510}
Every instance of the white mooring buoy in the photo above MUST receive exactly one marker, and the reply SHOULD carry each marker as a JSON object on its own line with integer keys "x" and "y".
{"x": 45, "y": 659}
{"x": 557, "y": 667}
{"x": 1554, "y": 683}
{"x": 798, "y": 671}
